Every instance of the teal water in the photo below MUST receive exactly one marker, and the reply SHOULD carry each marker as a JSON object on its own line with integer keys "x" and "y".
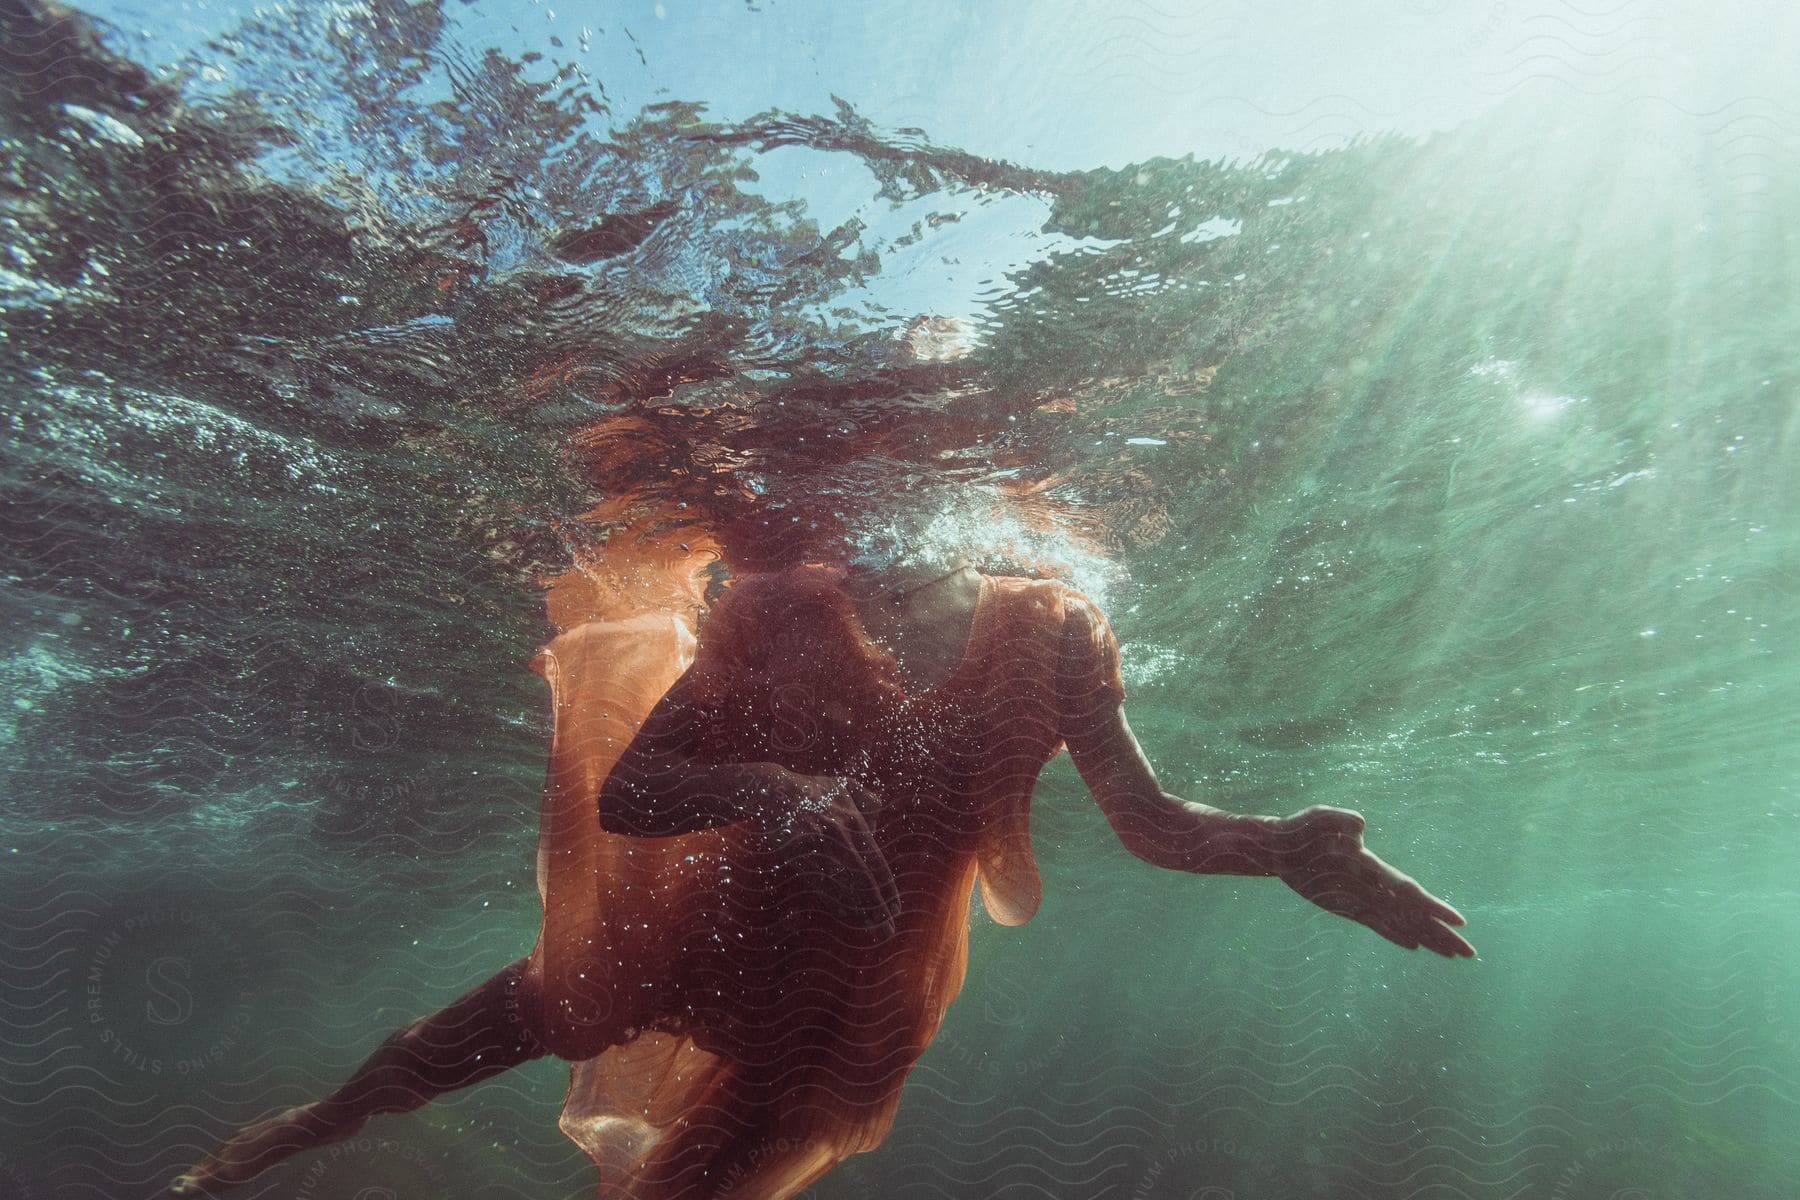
{"x": 1437, "y": 468}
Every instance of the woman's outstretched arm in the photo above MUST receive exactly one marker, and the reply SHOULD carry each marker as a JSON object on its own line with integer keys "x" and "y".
{"x": 1318, "y": 851}
{"x": 1163, "y": 829}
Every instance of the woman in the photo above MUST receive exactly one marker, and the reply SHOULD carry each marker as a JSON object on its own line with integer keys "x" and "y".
{"x": 748, "y": 953}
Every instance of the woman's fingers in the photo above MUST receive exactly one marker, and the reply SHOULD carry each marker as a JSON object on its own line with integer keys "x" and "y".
{"x": 1353, "y": 882}
{"x": 1407, "y": 915}
{"x": 1451, "y": 944}
{"x": 1444, "y": 912}
{"x": 878, "y": 896}
{"x": 876, "y": 863}
{"x": 1427, "y": 929}
{"x": 1434, "y": 919}
{"x": 1409, "y": 889}
{"x": 1440, "y": 939}
{"x": 855, "y": 820}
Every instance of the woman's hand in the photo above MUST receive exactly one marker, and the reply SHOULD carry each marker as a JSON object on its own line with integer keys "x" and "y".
{"x": 1323, "y": 858}
{"x": 824, "y": 830}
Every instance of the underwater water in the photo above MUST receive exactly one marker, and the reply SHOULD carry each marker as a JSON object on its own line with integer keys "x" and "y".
{"x": 1414, "y": 384}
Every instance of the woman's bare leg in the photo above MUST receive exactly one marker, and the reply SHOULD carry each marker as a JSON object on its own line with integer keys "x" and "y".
{"x": 489, "y": 1030}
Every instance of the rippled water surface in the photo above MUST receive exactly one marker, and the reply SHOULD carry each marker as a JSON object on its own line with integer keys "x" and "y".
{"x": 1414, "y": 382}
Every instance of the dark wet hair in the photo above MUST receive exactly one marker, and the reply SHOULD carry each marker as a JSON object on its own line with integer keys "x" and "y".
{"x": 777, "y": 537}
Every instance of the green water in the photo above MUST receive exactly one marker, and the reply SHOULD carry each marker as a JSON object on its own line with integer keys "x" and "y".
{"x": 1470, "y": 469}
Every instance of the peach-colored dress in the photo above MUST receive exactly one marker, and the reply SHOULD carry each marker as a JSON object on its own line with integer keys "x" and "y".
{"x": 731, "y": 1037}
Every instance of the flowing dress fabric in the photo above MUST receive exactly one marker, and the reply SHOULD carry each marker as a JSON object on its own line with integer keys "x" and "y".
{"x": 731, "y": 1035}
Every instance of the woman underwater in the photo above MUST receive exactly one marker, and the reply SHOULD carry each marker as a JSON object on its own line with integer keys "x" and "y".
{"x": 748, "y": 951}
